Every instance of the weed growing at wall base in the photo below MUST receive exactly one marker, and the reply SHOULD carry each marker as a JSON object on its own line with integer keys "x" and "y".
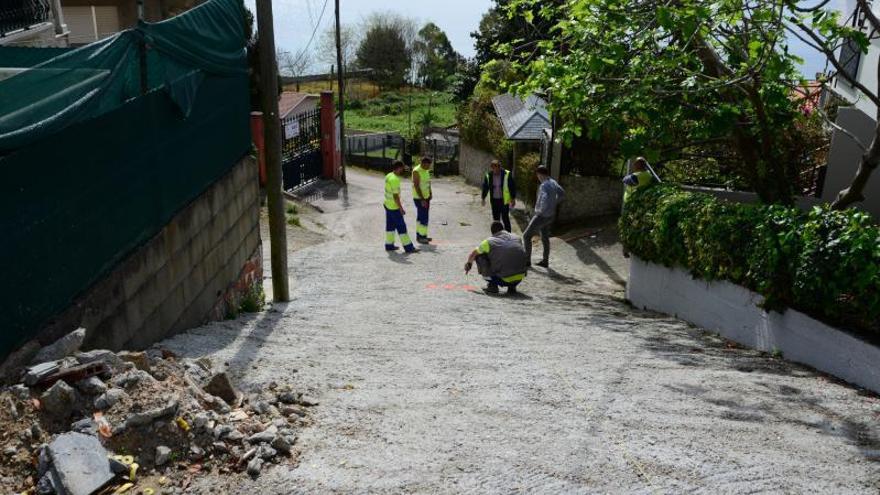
{"x": 824, "y": 263}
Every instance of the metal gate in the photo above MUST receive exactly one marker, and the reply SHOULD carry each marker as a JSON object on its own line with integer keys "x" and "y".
{"x": 301, "y": 160}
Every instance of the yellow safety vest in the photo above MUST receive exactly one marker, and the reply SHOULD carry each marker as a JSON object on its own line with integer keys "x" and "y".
{"x": 644, "y": 179}
{"x": 392, "y": 187}
{"x": 504, "y": 185}
{"x": 424, "y": 183}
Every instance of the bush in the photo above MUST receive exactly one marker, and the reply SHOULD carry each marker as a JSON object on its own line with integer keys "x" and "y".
{"x": 824, "y": 263}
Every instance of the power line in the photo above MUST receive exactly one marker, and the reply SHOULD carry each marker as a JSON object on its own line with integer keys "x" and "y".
{"x": 305, "y": 50}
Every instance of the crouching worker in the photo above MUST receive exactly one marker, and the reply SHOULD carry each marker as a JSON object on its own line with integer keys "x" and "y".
{"x": 501, "y": 260}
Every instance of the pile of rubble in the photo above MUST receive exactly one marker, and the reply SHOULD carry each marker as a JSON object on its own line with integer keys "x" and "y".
{"x": 146, "y": 422}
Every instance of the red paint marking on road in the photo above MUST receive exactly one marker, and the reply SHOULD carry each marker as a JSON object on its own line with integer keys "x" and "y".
{"x": 449, "y": 286}
{"x": 431, "y": 286}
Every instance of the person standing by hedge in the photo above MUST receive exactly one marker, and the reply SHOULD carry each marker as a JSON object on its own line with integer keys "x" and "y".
{"x": 394, "y": 211}
{"x": 638, "y": 179}
{"x": 501, "y": 189}
{"x": 550, "y": 194}
{"x": 422, "y": 195}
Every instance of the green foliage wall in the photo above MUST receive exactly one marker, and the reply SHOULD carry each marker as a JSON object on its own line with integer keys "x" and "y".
{"x": 824, "y": 263}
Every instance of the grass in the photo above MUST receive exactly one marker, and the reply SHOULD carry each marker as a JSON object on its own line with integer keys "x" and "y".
{"x": 355, "y": 89}
{"x": 389, "y": 112}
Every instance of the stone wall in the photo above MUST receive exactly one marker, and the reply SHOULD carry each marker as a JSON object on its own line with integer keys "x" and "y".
{"x": 587, "y": 197}
{"x": 473, "y": 163}
{"x": 196, "y": 269}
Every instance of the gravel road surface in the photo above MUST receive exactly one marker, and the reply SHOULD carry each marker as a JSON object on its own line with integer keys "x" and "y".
{"x": 427, "y": 385}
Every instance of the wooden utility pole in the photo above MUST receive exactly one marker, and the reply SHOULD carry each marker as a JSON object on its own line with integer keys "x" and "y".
{"x": 272, "y": 131}
{"x": 340, "y": 73}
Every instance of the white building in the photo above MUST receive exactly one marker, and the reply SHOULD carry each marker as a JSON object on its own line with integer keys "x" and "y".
{"x": 863, "y": 67}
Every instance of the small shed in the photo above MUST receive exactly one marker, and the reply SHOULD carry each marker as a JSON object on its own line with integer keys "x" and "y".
{"x": 522, "y": 120}
{"x": 291, "y": 103}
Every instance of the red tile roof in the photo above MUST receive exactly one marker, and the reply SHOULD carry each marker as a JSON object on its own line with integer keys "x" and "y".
{"x": 292, "y": 102}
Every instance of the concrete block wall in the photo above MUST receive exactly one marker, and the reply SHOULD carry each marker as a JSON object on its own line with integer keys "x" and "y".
{"x": 587, "y": 197}
{"x": 473, "y": 163}
{"x": 196, "y": 268}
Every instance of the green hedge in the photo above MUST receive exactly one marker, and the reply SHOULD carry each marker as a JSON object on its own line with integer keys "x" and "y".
{"x": 824, "y": 263}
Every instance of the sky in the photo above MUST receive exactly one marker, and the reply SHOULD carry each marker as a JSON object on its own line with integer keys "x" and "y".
{"x": 295, "y": 21}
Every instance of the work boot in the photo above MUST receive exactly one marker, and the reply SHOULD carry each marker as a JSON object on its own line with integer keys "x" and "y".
{"x": 511, "y": 291}
{"x": 423, "y": 240}
{"x": 491, "y": 289}
{"x": 392, "y": 248}
{"x": 543, "y": 264}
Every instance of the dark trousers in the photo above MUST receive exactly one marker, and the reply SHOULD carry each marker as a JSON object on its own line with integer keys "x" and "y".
{"x": 394, "y": 224}
{"x": 422, "y": 214}
{"x": 484, "y": 268}
{"x": 501, "y": 211}
{"x": 538, "y": 225}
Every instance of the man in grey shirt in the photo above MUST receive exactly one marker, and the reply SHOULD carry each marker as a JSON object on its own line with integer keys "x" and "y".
{"x": 550, "y": 194}
{"x": 500, "y": 259}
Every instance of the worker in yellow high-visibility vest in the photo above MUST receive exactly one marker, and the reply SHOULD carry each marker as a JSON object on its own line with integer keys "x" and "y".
{"x": 394, "y": 211}
{"x": 422, "y": 195}
{"x": 638, "y": 179}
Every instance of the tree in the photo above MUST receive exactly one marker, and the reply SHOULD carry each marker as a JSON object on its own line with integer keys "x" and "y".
{"x": 663, "y": 76}
{"x": 293, "y": 65}
{"x": 325, "y": 49}
{"x": 385, "y": 53}
{"x": 823, "y": 30}
{"x": 438, "y": 60}
{"x": 465, "y": 80}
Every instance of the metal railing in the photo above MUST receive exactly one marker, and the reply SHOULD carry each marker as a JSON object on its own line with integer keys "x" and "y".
{"x": 19, "y": 15}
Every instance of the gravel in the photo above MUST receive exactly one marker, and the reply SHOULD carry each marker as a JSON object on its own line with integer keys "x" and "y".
{"x": 427, "y": 385}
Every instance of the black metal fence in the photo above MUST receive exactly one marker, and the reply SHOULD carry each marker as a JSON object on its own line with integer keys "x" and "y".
{"x": 16, "y": 15}
{"x": 301, "y": 159}
{"x": 377, "y": 151}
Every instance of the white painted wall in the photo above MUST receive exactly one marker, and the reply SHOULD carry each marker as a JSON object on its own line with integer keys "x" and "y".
{"x": 867, "y": 73}
{"x": 733, "y": 312}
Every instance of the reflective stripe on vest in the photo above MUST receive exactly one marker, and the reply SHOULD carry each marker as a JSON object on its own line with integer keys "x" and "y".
{"x": 392, "y": 187}
{"x": 424, "y": 183}
{"x": 505, "y": 186}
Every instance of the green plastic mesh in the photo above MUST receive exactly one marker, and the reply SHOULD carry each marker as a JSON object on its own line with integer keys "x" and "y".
{"x": 91, "y": 168}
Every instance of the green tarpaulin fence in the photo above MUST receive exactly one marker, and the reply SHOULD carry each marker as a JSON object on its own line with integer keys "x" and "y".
{"x": 91, "y": 168}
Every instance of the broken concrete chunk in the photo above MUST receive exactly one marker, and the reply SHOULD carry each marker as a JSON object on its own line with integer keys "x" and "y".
{"x": 61, "y": 348}
{"x": 130, "y": 378}
{"x": 254, "y": 467}
{"x": 163, "y": 455}
{"x": 46, "y": 486}
{"x": 265, "y": 452}
{"x": 147, "y": 417}
{"x": 222, "y": 387}
{"x": 138, "y": 359}
{"x": 205, "y": 363}
{"x": 282, "y": 445}
{"x": 99, "y": 356}
{"x": 109, "y": 398}
{"x": 91, "y": 386}
{"x": 235, "y": 436}
{"x": 86, "y": 426}
{"x": 80, "y": 462}
{"x": 196, "y": 453}
{"x": 288, "y": 397}
{"x": 40, "y": 371}
{"x": 200, "y": 420}
{"x": 308, "y": 401}
{"x": 59, "y": 400}
{"x": 262, "y": 437}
